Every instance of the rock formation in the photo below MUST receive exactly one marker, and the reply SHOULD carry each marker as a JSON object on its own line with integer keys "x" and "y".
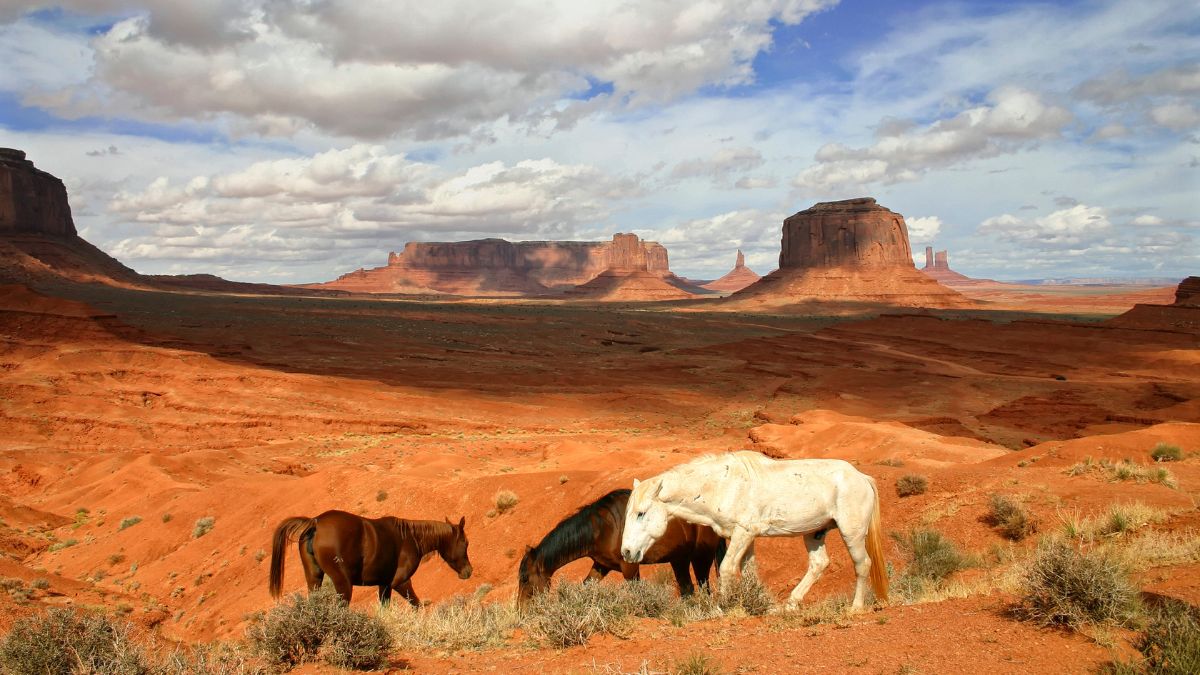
{"x": 37, "y": 235}
{"x": 499, "y": 267}
{"x": 937, "y": 266}
{"x": 851, "y": 252}
{"x": 1182, "y": 316}
{"x": 737, "y": 278}
{"x": 635, "y": 273}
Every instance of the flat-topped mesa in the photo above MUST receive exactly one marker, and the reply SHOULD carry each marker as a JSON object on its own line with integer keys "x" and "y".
{"x": 1188, "y": 292}
{"x": 852, "y": 254}
{"x": 848, "y": 233}
{"x": 497, "y": 266}
{"x": 32, "y": 201}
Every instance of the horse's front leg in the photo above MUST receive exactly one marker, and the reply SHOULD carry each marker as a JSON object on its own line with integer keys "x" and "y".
{"x": 683, "y": 577}
{"x": 385, "y": 595}
{"x": 597, "y": 572}
{"x": 739, "y": 543}
{"x": 402, "y": 581}
{"x": 406, "y": 591}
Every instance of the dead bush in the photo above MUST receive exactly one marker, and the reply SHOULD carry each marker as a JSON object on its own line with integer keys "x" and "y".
{"x": 911, "y": 484}
{"x": 460, "y": 623}
{"x": 748, "y": 593}
{"x": 1064, "y": 584}
{"x": 570, "y": 613}
{"x": 505, "y": 500}
{"x": 320, "y": 626}
{"x": 1007, "y": 515}
{"x": 68, "y": 641}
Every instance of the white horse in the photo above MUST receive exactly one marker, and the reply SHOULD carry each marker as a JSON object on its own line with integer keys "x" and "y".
{"x": 743, "y": 495}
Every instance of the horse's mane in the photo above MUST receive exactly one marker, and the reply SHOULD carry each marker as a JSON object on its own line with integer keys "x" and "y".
{"x": 577, "y": 532}
{"x": 427, "y": 534}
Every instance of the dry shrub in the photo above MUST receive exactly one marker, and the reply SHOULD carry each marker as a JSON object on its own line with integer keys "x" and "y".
{"x": 1125, "y": 518}
{"x": 931, "y": 560}
{"x": 1124, "y": 470}
{"x": 203, "y": 526}
{"x": 1158, "y": 549}
{"x": 1165, "y": 452}
{"x": 320, "y": 626}
{"x": 1066, "y": 585}
{"x": 828, "y": 611}
{"x": 1171, "y": 641}
{"x": 747, "y": 593}
{"x": 570, "y": 613}
{"x": 1009, "y": 517}
{"x": 458, "y": 624}
{"x": 67, "y": 641}
{"x": 129, "y": 522}
{"x": 505, "y": 500}
{"x": 911, "y": 484}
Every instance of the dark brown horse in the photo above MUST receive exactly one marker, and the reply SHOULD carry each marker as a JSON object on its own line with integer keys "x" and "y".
{"x": 594, "y": 531}
{"x": 357, "y": 551}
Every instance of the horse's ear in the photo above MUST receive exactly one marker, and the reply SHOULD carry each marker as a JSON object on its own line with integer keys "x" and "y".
{"x": 657, "y": 491}
{"x": 528, "y": 548}
{"x": 636, "y": 483}
{"x": 462, "y": 523}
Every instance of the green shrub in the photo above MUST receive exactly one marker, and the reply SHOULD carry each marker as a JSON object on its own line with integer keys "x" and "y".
{"x": 931, "y": 556}
{"x": 911, "y": 484}
{"x": 1010, "y": 518}
{"x": 67, "y": 641}
{"x": 129, "y": 522}
{"x": 1171, "y": 641}
{"x": 1066, "y": 585}
{"x": 320, "y": 626}
{"x": 203, "y": 526}
{"x": 1165, "y": 452}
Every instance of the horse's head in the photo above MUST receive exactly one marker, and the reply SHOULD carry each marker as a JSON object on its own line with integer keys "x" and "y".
{"x": 531, "y": 576}
{"x": 646, "y": 519}
{"x": 454, "y": 549}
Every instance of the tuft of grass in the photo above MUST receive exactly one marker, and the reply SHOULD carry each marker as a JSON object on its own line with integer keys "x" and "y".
{"x": 60, "y": 545}
{"x": 1123, "y": 470}
{"x": 221, "y": 658}
{"x": 128, "y": 522}
{"x": 166, "y": 517}
{"x": 563, "y": 479}
{"x": 747, "y": 593}
{"x": 932, "y": 559}
{"x": 381, "y": 496}
{"x": 696, "y": 663}
{"x": 1171, "y": 641}
{"x": 1067, "y": 585}
{"x": 911, "y": 484}
{"x": 40, "y": 584}
{"x": 203, "y": 526}
{"x": 116, "y": 558}
{"x": 504, "y": 501}
{"x": 260, "y": 555}
{"x": 320, "y": 626}
{"x": 1165, "y": 452}
{"x": 462, "y": 623}
{"x": 1007, "y": 515}
{"x": 890, "y": 461}
{"x": 68, "y": 641}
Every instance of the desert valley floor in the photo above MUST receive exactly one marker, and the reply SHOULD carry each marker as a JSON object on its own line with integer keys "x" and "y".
{"x": 173, "y": 406}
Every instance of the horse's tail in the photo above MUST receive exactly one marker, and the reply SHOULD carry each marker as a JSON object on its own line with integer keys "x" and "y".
{"x": 289, "y": 530}
{"x": 879, "y": 579}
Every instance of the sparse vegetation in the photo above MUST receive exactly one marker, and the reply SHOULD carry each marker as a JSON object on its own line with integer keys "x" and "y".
{"x": 890, "y": 461}
{"x": 220, "y": 658}
{"x": 1170, "y": 643}
{"x": 1124, "y": 470}
{"x": 60, "y": 545}
{"x": 569, "y": 614}
{"x": 911, "y": 484}
{"x": 504, "y": 501}
{"x": 67, "y": 641}
{"x": 1065, "y": 584}
{"x": 563, "y": 479}
{"x": 1010, "y": 517}
{"x": 459, "y": 624}
{"x": 166, "y": 517}
{"x": 381, "y": 496}
{"x": 1165, "y": 452}
{"x": 260, "y": 555}
{"x": 116, "y": 558}
{"x": 748, "y": 593}
{"x": 128, "y": 522}
{"x": 320, "y": 626}
{"x": 931, "y": 560}
{"x": 203, "y": 526}
{"x": 696, "y": 663}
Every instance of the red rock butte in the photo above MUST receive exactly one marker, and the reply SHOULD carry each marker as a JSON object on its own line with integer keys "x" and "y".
{"x": 737, "y": 278}
{"x": 937, "y": 267}
{"x": 1182, "y": 316}
{"x": 500, "y": 267}
{"x": 850, "y": 252}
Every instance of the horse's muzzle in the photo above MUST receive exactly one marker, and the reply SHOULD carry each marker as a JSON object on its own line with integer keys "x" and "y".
{"x": 630, "y": 556}
{"x": 465, "y": 573}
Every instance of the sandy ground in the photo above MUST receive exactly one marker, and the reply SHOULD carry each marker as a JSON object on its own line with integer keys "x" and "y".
{"x": 172, "y": 407}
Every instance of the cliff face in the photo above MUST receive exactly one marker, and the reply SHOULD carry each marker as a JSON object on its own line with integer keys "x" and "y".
{"x": 497, "y": 266}
{"x": 32, "y": 201}
{"x": 853, "y": 253}
{"x": 850, "y": 233}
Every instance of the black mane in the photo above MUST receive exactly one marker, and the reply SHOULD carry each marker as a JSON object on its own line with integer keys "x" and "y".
{"x": 575, "y": 536}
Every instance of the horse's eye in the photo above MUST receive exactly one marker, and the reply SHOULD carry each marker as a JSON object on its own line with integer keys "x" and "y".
{"x": 641, "y": 514}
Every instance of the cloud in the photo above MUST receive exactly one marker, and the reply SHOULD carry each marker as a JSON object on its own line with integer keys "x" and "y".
{"x": 1176, "y": 116}
{"x": 720, "y": 165}
{"x": 1012, "y": 119}
{"x": 923, "y": 230}
{"x": 709, "y": 243}
{"x": 1077, "y": 226}
{"x": 1119, "y": 85}
{"x": 359, "y": 197}
{"x": 369, "y": 70}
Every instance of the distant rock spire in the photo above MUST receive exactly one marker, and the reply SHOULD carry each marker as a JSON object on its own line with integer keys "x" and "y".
{"x": 741, "y": 260}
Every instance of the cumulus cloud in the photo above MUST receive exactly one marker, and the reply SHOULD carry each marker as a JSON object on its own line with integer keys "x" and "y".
{"x": 1120, "y": 85}
{"x": 923, "y": 230}
{"x": 1077, "y": 226}
{"x": 284, "y": 209}
{"x": 372, "y": 69}
{"x": 710, "y": 243}
{"x": 1012, "y": 119}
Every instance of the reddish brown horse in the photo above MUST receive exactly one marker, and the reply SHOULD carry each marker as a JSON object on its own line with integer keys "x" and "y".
{"x": 594, "y": 531}
{"x": 357, "y": 551}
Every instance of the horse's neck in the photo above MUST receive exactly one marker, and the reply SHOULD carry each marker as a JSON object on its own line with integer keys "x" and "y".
{"x": 427, "y": 535}
{"x": 561, "y": 548}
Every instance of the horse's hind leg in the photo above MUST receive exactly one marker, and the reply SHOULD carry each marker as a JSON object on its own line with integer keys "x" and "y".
{"x": 702, "y": 562}
{"x": 857, "y": 545}
{"x": 683, "y": 578}
{"x": 313, "y": 574}
{"x": 818, "y": 560}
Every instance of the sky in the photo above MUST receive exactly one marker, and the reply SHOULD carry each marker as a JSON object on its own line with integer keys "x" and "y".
{"x": 293, "y": 141}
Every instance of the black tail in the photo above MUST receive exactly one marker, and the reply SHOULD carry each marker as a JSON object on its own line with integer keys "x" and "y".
{"x": 722, "y": 545}
{"x": 289, "y": 530}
